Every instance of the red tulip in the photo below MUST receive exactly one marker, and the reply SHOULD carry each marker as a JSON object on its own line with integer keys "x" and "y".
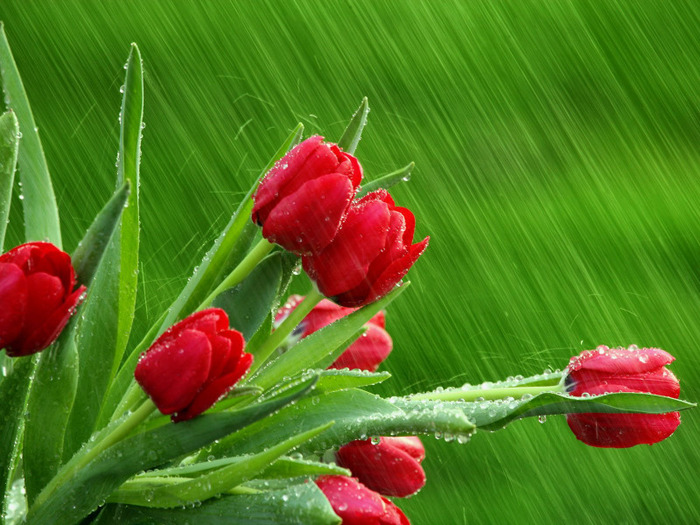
{"x": 391, "y": 467}
{"x": 37, "y": 295}
{"x": 370, "y": 254}
{"x": 193, "y": 364}
{"x": 303, "y": 199}
{"x": 366, "y": 353}
{"x": 607, "y": 370}
{"x": 355, "y": 504}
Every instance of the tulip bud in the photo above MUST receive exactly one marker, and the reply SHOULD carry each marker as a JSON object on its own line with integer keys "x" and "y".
{"x": 355, "y": 504}
{"x": 366, "y": 353}
{"x": 303, "y": 199}
{"x": 37, "y": 295}
{"x": 390, "y": 467}
{"x": 370, "y": 254}
{"x": 607, "y": 370}
{"x": 193, "y": 364}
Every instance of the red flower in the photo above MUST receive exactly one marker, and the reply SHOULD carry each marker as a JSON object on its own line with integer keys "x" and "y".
{"x": 37, "y": 297}
{"x": 303, "y": 199}
{"x": 391, "y": 467}
{"x": 193, "y": 364}
{"x": 370, "y": 254}
{"x": 607, "y": 370}
{"x": 366, "y": 353}
{"x": 355, "y": 504}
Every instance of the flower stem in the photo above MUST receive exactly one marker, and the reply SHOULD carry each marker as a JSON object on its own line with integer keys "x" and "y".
{"x": 277, "y": 337}
{"x": 241, "y": 271}
{"x": 486, "y": 394}
{"x": 113, "y": 437}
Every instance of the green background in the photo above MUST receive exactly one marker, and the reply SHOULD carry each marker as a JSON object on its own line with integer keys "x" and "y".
{"x": 557, "y": 159}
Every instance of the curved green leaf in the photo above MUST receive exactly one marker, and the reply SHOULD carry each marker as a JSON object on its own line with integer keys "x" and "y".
{"x": 9, "y": 144}
{"x": 353, "y": 133}
{"x": 387, "y": 181}
{"x": 39, "y": 202}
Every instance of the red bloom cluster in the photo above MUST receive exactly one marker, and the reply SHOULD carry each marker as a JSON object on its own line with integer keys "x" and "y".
{"x": 302, "y": 200}
{"x": 193, "y": 364}
{"x": 366, "y": 353}
{"x": 355, "y": 251}
{"x": 37, "y": 297}
{"x": 606, "y": 370}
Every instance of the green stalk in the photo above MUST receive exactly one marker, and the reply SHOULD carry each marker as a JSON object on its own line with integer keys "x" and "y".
{"x": 277, "y": 337}
{"x": 241, "y": 271}
{"x": 489, "y": 394}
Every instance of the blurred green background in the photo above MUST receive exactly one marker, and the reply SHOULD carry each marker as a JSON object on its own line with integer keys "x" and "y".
{"x": 557, "y": 159}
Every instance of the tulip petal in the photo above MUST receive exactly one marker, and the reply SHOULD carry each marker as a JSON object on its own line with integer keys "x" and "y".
{"x": 354, "y": 503}
{"x": 382, "y": 467}
{"x": 622, "y": 430}
{"x": 13, "y": 298}
{"x": 661, "y": 382}
{"x": 411, "y": 445}
{"x": 367, "y": 352}
{"x": 631, "y": 360}
{"x": 236, "y": 353}
{"x": 344, "y": 263}
{"x": 307, "y": 220}
{"x": 214, "y": 391}
{"x": 209, "y": 321}
{"x": 49, "y": 330}
{"x": 172, "y": 373}
{"x": 272, "y": 185}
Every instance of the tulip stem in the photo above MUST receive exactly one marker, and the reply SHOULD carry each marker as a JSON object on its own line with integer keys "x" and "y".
{"x": 265, "y": 350}
{"x": 241, "y": 271}
{"x": 487, "y": 394}
{"x": 80, "y": 461}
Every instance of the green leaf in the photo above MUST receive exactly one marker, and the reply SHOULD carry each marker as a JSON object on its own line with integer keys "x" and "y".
{"x": 50, "y": 402}
{"x": 9, "y": 144}
{"x": 13, "y": 399}
{"x": 73, "y": 495}
{"x": 87, "y": 256}
{"x": 250, "y": 302}
{"x": 353, "y": 133}
{"x": 56, "y": 379}
{"x": 108, "y": 312}
{"x": 208, "y": 484}
{"x": 332, "y": 381}
{"x": 39, "y": 202}
{"x": 326, "y": 343}
{"x": 387, "y": 181}
{"x": 293, "y": 468}
{"x": 357, "y": 415}
{"x": 301, "y": 503}
{"x": 228, "y": 249}
{"x": 496, "y": 414}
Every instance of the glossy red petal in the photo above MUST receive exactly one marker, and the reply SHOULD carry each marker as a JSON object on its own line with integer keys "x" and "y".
{"x": 209, "y": 321}
{"x": 220, "y": 355}
{"x": 354, "y": 503}
{"x": 382, "y": 467}
{"x": 393, "y": 515}
{"x": 45, "y": 334}
{"x": 661, "y": 382}
{"x": 379, "y": 319}
{"x": 344, "y": 263}
{"x": 307, "y": 220}
{"x": 214, "y": 390}
{"x": 631, "y": 360}
{"x": 367, "y": 352}
{"x": 284, "y": 170}
{"x": 236, "y": 353}
{"x": 411, "y": 445}
{"x": 173, "y": 373}
{"x": 13, "y": 298}
{"x": 622, "y": 430}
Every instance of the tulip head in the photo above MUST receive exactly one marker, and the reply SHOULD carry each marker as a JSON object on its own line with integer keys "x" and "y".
{"x": 356, "y": 504}
{"x": 302, "y": 201}
{"x": 37, "y": 295}
{"x": 606, "y": 370}
{"x": 390, "y": 466}
{"x": 193, "y": 364}
{"x": 366, "y": 353}
{"x": 371, "y": 253}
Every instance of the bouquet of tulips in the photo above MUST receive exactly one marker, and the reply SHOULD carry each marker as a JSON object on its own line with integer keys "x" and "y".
{"x": 243, "y": 404}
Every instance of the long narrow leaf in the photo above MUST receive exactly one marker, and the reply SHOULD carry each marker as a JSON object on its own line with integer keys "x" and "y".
{"x": 108, "y": 311}
{"x": 40, "y": 211}
{"x": 9, "y": 143}
{"x": 69, "y": 500}
{"x": 353, "y": 133}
